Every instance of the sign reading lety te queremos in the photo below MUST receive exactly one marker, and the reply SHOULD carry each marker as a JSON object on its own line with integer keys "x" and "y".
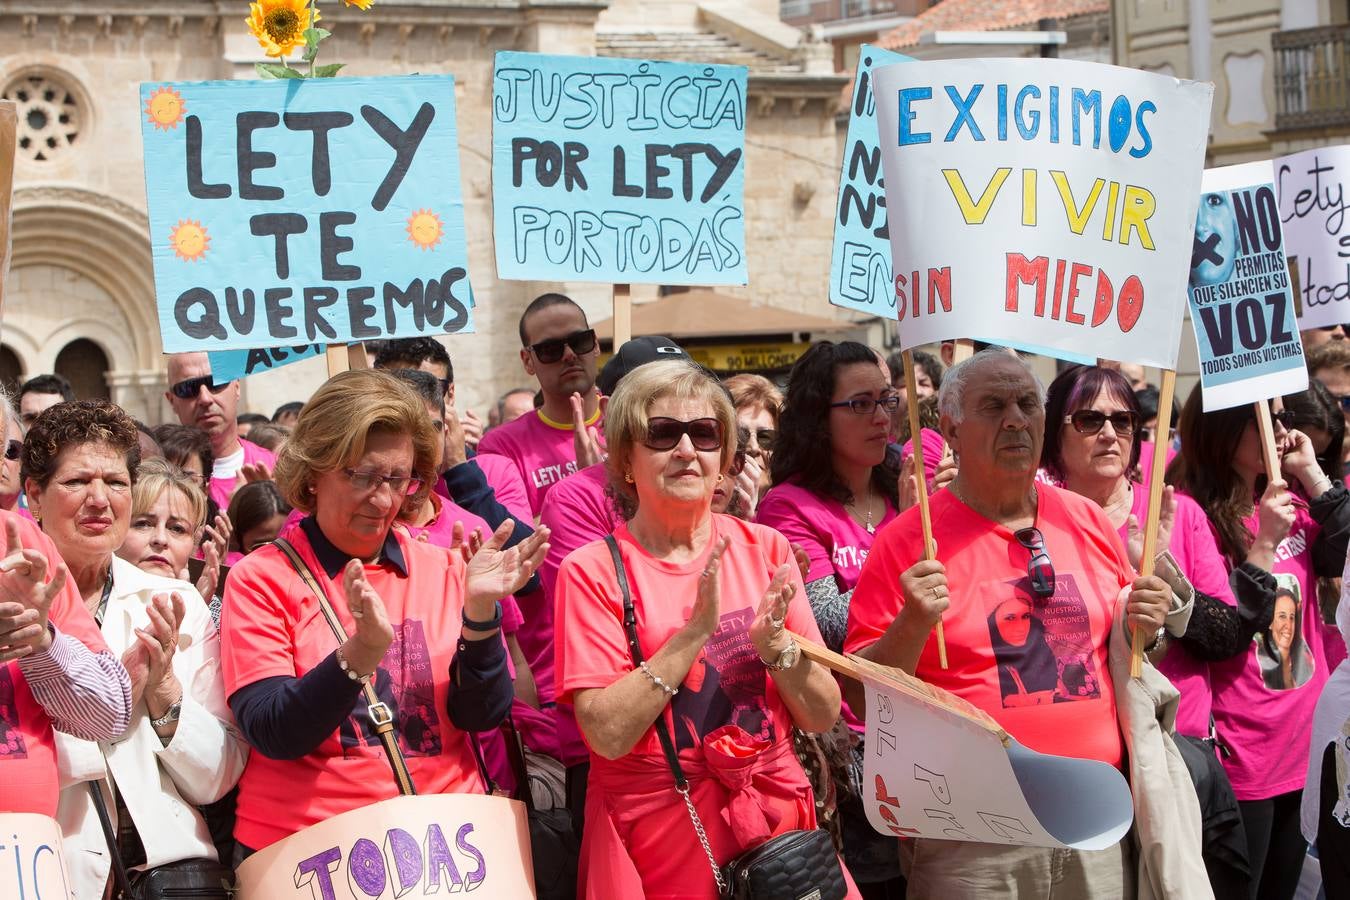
{"x": 618, "y": 170}
{"x": 319, "y": 211}
{"x": 1042, "y": 203}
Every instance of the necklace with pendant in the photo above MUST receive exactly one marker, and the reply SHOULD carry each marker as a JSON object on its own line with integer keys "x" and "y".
{"x": 871, "y": 529}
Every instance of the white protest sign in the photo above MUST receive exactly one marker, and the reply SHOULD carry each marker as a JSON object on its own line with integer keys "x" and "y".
{"x": 1042, "y": 203}
{"x": 32, "y": 863}
{"x": 933, "y": 771}
{"x": 1242, "y": 305}
{"x": 429, "y": 845}
{"x": 1311, "y": 189}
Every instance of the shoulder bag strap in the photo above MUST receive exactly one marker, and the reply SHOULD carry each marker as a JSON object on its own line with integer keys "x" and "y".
{"x": 662, "y": 732}
{"x": 381, "y": 718}
{"x": 119, "y": 869}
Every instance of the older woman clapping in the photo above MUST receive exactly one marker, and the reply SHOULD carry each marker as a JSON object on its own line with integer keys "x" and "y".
{"x": 180, "y": 751}
{"x": 712, "y": 596}
{"x": 416, "y": 621}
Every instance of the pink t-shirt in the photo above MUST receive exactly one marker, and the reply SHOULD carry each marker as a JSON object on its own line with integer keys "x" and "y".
{"x": 1265, "y": 724}
{"x": 222, "y": 489}
{"x": 577, "y": 512}
{"x": 933, "y": 449}
{"x": 504, "y": 478}
{"x": 1196, "y": 551}
{"x": 542, "y": 451}
{"x": 1146, "y": 459}
{"x": 836, "y": 545}
{"x": 1037, "y": 665}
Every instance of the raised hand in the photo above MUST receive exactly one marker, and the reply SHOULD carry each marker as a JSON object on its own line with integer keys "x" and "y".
{"x": 206, "y": 585}
{"x": 468, "y": 546}
{"x": 453, "y": 439}
{"x": 472, "y": 426}
{"x": 1134, "y": 542}
{"x": 258, "y": 471}
{"x": 149, "y": 661}
{"x": 493, "y": 573}
{"x": 707, "y": 612}
{"x": 585, "y": 439}
{"x": 25, "y": 597}
{"x": 766, "y": 631}
{"x": 364, "y": 649}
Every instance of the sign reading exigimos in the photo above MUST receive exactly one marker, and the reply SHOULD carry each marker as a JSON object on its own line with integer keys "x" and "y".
{"x": 305, "y": 211}
{"x": 1042, "y": 203}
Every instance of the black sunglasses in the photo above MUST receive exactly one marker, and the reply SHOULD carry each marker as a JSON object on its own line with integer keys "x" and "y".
{"x": 188, "y": 390}
{"x": 665, "y": 434}
{"x": 13, "y": 449}
{"x": 1345, "y": 328}
{"x": 1090, "y": 421}
{"x": 550, "y": 351}
{"x": 1040, "y": 571}
{"x": 1286, "y": 417}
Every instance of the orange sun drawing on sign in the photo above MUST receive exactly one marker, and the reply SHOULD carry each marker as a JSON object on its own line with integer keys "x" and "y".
{"x": 189, "y": 240}
{"x": 165, "y": 108}
{"x": 424, "y": 229}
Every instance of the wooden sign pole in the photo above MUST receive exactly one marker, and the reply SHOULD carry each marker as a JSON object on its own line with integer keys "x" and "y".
{"x": 342, "y": 357}
{"x": 1155, "y": 494}
{"x": 921, "y": 482}
{"x": 623, "y": 315}
{"x": 8, "y": 150}
{"x": 963, "y": 350}
{"x": 1269, "y": 452}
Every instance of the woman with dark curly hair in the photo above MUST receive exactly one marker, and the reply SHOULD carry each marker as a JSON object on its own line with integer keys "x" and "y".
{"x": 181, "y": 750}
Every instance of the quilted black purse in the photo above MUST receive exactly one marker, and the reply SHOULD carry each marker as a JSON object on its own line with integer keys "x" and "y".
{"x": 795, "y": 865}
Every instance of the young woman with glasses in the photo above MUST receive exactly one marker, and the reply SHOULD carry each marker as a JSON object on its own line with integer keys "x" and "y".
{"x": 1277, "y": 535}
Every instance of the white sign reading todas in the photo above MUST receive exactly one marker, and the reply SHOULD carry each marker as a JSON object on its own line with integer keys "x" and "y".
{"x": 934, "y": 772}
{"x": 1042, "y": 203}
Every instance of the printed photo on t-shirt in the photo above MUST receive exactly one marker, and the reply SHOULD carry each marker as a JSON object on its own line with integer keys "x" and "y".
{"x": 11, "y": 729}
{"x": 1042, "y": 646}
{"x": 725, "y": 686}
{"x": 404, "y": 681}
{"x": 1283, "y": 654}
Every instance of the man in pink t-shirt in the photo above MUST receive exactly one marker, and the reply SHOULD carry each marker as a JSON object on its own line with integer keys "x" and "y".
{"x": 1029, "y": 581}
{"x": 197, "y": 399}
{"x": 560, "y": 350}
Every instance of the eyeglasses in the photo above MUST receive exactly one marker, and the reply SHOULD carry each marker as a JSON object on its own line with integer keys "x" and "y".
{"x": 1287, "y": 417}
{"x": 665, "y": 434}
{"x": 1090, "y": 421}
{"x": 371, "y": 481}
{"x": 1345, "y": 328}
{"x": 865, "y": 406}
{"x": 188, "y": 390}
{"x": 764, "y": 438}
{"x": 550, "y": 351}
{"x": 13, "y": 450}
{"x": 1040, "y": 571}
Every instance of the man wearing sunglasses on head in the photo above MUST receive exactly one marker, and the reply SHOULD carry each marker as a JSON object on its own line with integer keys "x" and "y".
{"x": 200, "y": 401}
{"x": 559, "y": 349}
{"x": 1021, "y": 567}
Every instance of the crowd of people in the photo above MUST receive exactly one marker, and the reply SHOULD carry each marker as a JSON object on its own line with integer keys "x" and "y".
{"x": 220, "y": 631}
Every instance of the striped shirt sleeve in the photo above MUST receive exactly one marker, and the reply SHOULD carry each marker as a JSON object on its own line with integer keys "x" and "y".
{"x": 86, "y": 694}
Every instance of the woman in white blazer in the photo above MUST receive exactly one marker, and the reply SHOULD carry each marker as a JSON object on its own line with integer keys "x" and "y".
{"x": 181, "y": 749}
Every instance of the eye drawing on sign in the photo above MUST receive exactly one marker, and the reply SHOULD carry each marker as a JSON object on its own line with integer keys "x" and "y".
{"x": 1215, "y": 250}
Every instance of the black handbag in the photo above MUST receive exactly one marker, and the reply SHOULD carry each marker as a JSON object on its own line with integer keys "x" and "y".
{"x": 555, "y": 846}
{"x": 186, "y": 879}
{"x": 795, "y": 865}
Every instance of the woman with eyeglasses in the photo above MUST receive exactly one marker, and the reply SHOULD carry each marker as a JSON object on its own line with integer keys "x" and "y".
{"x": 759, "y": 404}
{"x": 180, "y": 751}
{"x": 1272, "y": 535}
{"x": 416, "y": 622}
{"x": 705, "y": 654}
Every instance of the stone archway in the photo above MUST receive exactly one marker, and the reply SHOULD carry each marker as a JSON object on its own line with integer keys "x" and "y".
{"x": 81, "y": 270}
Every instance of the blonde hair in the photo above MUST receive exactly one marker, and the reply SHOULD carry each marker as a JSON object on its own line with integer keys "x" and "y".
{"x": 628, "y": 411}
{"x": 749, "y": 391}
{"x": 157, "y": 475}
{"x": 333, "y": 428}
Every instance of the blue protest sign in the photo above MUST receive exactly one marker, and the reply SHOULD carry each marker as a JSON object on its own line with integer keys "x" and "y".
{"x": 290, "y": 212}
{"x": 618, "y": 170}
{"x": 860, "y": 264}
{"x": 1240, "y": 298}
{"x": 231, "y": 365}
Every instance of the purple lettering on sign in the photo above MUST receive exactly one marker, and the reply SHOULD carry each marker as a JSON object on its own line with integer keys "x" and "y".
{"x": 474, "y": 878}
{"x": 365, "y": 869}
{"x": 405, "y": 860}
{"x": 438, "y": 858}
{"x": 317, "y": 872}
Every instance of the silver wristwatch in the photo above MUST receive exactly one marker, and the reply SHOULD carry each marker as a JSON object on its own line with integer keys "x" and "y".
{"x": 170, "y": 716}
{"x": 786, "y": 659}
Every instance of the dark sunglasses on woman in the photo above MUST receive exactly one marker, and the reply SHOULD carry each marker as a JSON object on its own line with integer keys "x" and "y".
{"x": 1090, "y": 421}
{"x": 188, "y": 389}
{"x": 13, "y": 450}
{"x": 1286, "y": 417}
{"x": 664, "y": 433}
{"x": 550, "y": 351}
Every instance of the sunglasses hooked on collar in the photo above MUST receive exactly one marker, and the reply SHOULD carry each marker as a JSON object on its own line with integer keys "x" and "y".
{"x": 1040, "y": 571}
{"x": 191, "y": 387}
{"x": 550, "y": 351}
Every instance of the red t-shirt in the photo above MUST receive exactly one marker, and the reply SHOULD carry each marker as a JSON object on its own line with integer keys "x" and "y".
{"x": 271, "y": 625}
{"x": 28, "y": 781}
{"x": 728, "y": 683}
{"x": 1039, "y": 667}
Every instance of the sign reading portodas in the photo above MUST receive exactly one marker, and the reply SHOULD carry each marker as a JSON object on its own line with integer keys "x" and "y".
{"x": 1048, "y": 202}
{"x": 618, "y": 170}
{"x": 317, "y": 211}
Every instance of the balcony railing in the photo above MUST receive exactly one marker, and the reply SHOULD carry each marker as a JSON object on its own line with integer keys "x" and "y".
{"x": 834, "y": 10}
{"x": 1312, "y": 77}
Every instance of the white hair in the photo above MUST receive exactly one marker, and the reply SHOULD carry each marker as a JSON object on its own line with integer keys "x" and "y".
{"x": 8, "y": 415}
{"x": 952, "y": 394}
